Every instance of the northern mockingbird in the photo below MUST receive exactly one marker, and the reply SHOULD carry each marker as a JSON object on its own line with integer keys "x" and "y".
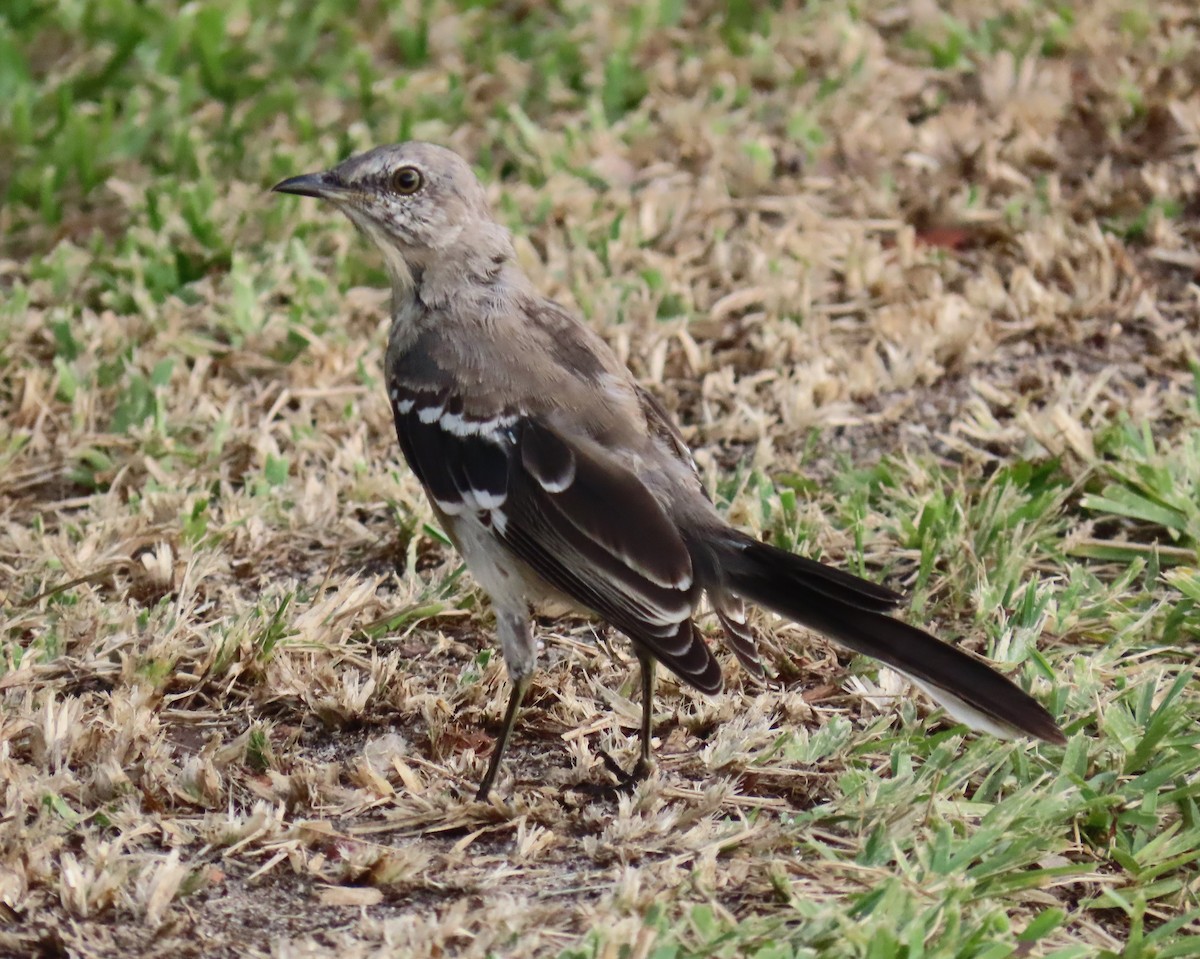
{"x": 558, "y": 477}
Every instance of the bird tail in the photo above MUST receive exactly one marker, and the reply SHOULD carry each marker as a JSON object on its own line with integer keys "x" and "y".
{"x": 854, "y": 612}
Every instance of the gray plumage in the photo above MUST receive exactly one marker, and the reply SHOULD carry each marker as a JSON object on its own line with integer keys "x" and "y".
{"x": 559, "y": 478}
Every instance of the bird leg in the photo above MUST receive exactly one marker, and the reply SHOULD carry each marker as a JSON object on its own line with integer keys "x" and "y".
{"x": 510, "y": 719}
{"x": 516, "y": 643}
{"x": 641, "y": 769}
{"x": 645, "y": 761}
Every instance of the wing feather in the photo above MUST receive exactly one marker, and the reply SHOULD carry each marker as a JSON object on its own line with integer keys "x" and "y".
{"x": 582, "y": 522}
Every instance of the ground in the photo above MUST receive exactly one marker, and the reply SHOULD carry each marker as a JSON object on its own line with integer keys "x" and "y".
{"x": 917, "y": 279}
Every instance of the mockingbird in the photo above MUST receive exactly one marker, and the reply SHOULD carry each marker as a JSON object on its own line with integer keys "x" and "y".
{"x": 558, "y": 477}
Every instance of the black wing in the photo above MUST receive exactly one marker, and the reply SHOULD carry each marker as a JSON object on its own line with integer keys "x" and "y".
{"x": 581, "y": 521}
{"x": 731, "y": 612}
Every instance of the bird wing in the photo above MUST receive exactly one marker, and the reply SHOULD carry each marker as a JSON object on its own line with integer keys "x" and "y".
{"x": 582, "y": 521}
{"x": 731, "y": 612}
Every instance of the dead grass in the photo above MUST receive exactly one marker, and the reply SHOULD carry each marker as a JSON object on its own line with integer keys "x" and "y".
{"x": 243, "y": 687}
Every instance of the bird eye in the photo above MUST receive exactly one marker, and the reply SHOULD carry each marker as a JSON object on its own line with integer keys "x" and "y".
{"x": 407, "y": 180}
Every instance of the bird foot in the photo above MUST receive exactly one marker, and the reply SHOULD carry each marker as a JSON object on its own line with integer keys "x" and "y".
{"x": 627, "y": 782}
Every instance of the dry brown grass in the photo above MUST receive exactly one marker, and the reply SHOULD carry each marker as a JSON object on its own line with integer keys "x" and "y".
{"x": 940, "y": 278}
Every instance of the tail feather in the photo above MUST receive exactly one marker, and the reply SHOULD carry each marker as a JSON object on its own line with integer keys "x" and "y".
{"x": 738, "y": 634}
{"x": 853, "y": 612}
{"x": 837, "y": 584}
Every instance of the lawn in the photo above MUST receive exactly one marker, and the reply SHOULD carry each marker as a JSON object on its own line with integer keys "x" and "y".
{"x": 919, "y": 281}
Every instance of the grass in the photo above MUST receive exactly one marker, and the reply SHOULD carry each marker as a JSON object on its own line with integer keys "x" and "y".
{"x": 919, "y": 283}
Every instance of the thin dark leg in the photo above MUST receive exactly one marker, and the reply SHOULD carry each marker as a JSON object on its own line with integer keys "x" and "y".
{"x": 642, "y": 769}
{"x": 510, "y": 719}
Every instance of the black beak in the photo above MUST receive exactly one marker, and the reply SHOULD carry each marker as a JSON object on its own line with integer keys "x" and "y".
{"x": 321, "y": 185}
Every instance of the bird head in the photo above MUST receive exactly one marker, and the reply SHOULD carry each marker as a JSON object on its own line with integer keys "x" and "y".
{"x": 420, "y": 203}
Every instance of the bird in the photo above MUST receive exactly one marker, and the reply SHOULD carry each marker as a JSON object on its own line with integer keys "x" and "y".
{"x": 560, "y": 479}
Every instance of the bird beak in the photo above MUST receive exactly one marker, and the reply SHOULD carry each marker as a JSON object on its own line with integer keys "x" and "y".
{"x": 324, "y": 185}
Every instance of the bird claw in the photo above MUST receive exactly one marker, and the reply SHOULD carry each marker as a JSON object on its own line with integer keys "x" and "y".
{"x": 627, "y": 782}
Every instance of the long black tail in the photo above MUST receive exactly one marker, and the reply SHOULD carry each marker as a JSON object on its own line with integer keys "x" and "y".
{"x": 854, "y": 612}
